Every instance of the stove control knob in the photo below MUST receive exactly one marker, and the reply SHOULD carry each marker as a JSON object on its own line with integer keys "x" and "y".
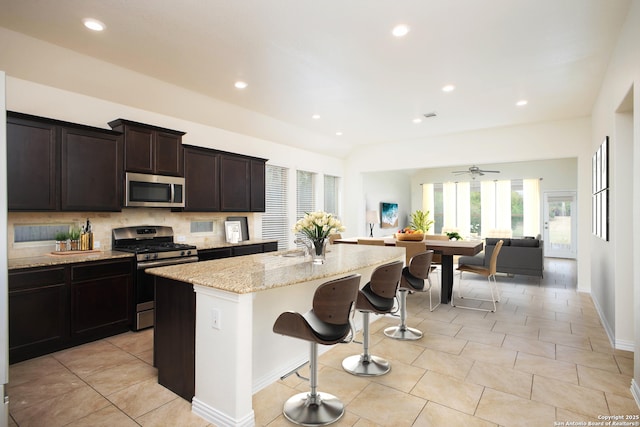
{"x": 182, "y": 253}
{"x": 188, "y": 252}
{"x": 155, "y": 256}
{"x": 147, "y": 256}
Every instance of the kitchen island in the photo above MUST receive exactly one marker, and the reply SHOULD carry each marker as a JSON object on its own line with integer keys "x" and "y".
{"x": 218, "y": 316}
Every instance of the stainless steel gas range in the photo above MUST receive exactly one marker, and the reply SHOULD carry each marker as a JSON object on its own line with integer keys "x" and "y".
{"x": 153, "y": 247}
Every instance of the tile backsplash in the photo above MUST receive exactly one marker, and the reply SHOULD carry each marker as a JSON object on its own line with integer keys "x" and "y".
{"x": 104, "y": 222}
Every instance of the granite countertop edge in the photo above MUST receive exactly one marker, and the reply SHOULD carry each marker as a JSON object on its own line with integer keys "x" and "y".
{"x": 51, "y": 259}
{"x": 259, "y": 272}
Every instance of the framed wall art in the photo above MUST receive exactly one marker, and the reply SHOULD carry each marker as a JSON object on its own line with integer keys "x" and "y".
{"x": 388, "y": 215}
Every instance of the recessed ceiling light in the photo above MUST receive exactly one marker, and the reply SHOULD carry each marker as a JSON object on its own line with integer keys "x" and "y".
{"x": 315, "y": 116}
{"x": 338, "y": 133}
{"x": 448, "y": 88}
{"x": 240, "y": 84}
{"x": 522, "y": 103}
{"x": 400, "y": 30}
{"x": 417, "y": 120}
{"x": 93, "y": 24}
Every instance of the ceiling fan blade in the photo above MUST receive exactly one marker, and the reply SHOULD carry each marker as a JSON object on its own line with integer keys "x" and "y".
{"x": 482, "y": 170}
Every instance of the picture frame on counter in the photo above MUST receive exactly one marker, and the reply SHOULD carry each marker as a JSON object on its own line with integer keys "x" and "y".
{"x": 233, "y": 231}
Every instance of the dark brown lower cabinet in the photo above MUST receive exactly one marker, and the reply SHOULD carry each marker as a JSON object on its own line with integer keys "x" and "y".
{"x": 174, "y": 336}
{"x": 51, "y": 309}
{"x": 38, "y": 312}
{"x": 101, "y": 298}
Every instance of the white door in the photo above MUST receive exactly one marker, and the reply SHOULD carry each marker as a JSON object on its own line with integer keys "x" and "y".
{"x": 560, "y": 224}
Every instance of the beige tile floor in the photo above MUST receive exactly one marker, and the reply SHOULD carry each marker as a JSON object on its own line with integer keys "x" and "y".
{"x": 542, "y": 357}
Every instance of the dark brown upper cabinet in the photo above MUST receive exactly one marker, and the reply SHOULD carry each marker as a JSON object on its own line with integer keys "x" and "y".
{"x": 91, "y": 171}
{"x": 150, "y": 149}
{"x": 235, "y": 183}
{"x": 202, "y": 180}
{"x": 217, "y": 181}
{"x": 32, "y": 164}
{"x": 55, "y": 165}
{"x": 242, "y": 183}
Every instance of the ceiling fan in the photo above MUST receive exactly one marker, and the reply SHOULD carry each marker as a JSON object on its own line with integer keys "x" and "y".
{"x": 474, "y": 171}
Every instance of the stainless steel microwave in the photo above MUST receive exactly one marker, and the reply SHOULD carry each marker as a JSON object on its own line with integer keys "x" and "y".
{"x": 153, "y": 191}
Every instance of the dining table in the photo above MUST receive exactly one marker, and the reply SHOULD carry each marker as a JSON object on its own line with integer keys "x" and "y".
{"x": 446, "y": 248}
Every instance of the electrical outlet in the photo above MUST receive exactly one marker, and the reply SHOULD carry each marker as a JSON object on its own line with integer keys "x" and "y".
{"x": 96, "y": 244}
{"x": 215, "y": 318}
{"x": 182, "y": 239}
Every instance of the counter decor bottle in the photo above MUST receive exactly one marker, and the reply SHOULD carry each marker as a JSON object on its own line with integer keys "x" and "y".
{"x": 86, "y": 238}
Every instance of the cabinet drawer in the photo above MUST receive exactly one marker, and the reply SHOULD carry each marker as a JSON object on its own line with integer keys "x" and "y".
{"x": 247, "y": 250}
{"x": 36, "y": 278}
{"x": 100, "y": 270}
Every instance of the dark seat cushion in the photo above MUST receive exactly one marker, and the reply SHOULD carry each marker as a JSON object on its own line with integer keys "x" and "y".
{"x": 380, "y": 304}
{"x": 413, "y": 281}
{"x": 325, "y": 331}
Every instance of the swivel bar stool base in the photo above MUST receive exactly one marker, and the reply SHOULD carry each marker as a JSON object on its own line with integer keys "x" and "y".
{"x": 377, "y": 296}
{"x": 402, "y": 331}
{"x": 365, "y": 364}
{"x": 316, "y": 408}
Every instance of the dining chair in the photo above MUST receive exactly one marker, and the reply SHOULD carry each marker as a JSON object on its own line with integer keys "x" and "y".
{"x": 412, "y": 249}
{"x": 373, "y": 242}
{"x": 333, "y": 237}
{"x": 489, "y": 273}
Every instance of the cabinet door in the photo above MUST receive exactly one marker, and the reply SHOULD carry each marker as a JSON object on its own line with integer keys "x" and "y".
{"x": 138, "y": 154}
{"x": 234, "y": 184}
{"x": 258, "y": 189}
{"x": 91, "y": 171}
{"x": 168, "y": 154}
{"x": 38, "y": 313}
{"x": 101, "y": 298}
{"x": 202, "y": 186}
{"x": 32, "y": 159}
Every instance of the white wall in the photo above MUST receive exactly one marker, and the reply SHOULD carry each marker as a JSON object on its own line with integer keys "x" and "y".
{"x": 616, "y": 287}
{"x": 391, "y": 187}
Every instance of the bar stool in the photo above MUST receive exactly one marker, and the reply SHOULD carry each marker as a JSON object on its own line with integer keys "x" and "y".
{"x": 413, "y": 277}
{"x": 377, "y": 296}
{"x": 328, "y": 322}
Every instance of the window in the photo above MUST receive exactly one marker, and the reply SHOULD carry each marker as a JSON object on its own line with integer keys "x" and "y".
{"x": 517, "y": 207}
{"x": 331, "y": 195}
{"x": 482, "y": 208}
{"x": 475, "y": 226}
{"x": 275, "y": 222}
{"x": 305, "y": 193}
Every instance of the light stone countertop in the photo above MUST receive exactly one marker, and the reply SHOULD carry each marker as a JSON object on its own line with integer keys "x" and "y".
{"x": 52, "y": 259}
{"x": 259, "y": 272}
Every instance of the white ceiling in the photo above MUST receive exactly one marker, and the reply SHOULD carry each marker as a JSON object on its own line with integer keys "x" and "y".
{"x": 337, "y": 58}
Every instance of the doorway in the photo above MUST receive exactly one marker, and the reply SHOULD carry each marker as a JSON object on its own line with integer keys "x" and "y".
{"x": 560, "y": 224}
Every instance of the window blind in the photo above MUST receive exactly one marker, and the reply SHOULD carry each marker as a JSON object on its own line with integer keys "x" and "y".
{"x": 275, "y": 222}
{"x": 305, "y": 193}
{"x": 331, "y": 195}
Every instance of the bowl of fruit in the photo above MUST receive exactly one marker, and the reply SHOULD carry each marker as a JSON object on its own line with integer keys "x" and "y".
{"x": 408, "y": 233}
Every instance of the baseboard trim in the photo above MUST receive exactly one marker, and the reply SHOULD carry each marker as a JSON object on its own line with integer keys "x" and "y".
{"x": 635, "y": 391}
{"x": 218, "y": 418}
{"x": 625, "y": 345}
{"x": 605, "y": 324}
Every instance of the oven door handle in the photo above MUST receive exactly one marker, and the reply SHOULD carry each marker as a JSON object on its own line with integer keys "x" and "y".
{"x": 163, "y": 262}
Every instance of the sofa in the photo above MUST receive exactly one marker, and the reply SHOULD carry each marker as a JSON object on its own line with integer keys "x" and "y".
{"x": 518, "y": 256}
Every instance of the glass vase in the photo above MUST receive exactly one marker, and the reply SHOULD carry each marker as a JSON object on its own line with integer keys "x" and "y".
{"x": 318, "y": 251}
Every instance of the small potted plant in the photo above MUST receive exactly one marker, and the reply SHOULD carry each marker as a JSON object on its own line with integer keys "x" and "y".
{"x": 61, "y": 241}
{"x": 74, "y": 236}
{"x": 453, "y": 235}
